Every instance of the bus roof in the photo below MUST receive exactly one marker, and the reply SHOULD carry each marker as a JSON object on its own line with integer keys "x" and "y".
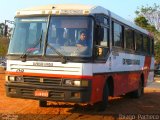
{"x": 75, "y": 9}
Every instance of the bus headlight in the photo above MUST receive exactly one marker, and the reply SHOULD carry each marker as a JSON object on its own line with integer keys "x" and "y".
{"x": 77, "y": 83}
{"x": 83, "y": 83}
{"x": 72, "y": 82}
{"x": 14, "y": 79}
{"x": 19, "y": 79}
{"x": 11, "y": 78}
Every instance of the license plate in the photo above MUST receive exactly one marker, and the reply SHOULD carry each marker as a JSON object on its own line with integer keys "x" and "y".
{"x": 41, "y": 93}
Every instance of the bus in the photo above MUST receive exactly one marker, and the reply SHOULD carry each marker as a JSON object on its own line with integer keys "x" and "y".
{"x": 44, "y": 62}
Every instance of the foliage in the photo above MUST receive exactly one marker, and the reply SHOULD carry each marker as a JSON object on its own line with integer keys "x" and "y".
{"x": 3, "y": 46}
{"x": 151, "y": 13}
{"x": 147, "y": 19}
{"x": 1, "y": 29}
{"x": 157, "y": 51}
{"x": 143, "y": 22}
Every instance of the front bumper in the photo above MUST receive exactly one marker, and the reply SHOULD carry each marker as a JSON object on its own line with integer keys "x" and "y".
{"x": 55, "y": 93}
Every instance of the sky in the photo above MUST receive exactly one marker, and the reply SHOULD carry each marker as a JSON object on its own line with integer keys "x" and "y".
{"x": 123, "y": 8}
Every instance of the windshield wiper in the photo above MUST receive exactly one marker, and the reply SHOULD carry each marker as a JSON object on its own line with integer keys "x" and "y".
{"x": 63, "y": 58}
{"x": 27, "y": 52}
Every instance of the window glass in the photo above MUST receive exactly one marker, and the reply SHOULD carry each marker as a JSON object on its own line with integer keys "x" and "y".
{"x": 139, "y": 41}
{"x": 70, "y": 36}
{"x": 117, "y": 35}
{"x": 105, "y": 37}
{"x": 106, "y": 21}
{"x": 29, "y": 36}
{"x": 129, "y": 38}
{"x": 145, "y": 44}
{"x": 152, "y": 46}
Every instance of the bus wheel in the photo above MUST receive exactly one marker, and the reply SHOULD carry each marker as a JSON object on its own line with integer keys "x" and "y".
{"x": 42, "y": 103}
{"x": 101, "y": 106}
{"x": 140, "y": 91}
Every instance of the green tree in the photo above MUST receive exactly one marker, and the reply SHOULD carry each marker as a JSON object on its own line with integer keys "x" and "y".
{"x": 4, "y": 41}
{"x": 151, "y": 13}
{"x": 157, "y": 52}
{"x": 1, "y": 29}
{"x": 148, "y": 18}
{"x": 141, "y": 21}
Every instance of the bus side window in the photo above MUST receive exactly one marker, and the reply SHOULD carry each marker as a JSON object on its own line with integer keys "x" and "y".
{"x": 105, "y": 37}
{"x": 145, "y": 44}
{"x": 139, "y": 42}
{"x": 102, "y": 47}
{"x": 117, "y": 35}
{"x": 129, "y": 39}
{"x": 152, "y": 46}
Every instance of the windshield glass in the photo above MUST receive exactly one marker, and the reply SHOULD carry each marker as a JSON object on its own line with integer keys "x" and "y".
{"x": 70, "y": 36}
{"x": 28, "y": 36}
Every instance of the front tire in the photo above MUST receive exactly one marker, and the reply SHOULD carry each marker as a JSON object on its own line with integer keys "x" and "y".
{"x": 105, "y": 98}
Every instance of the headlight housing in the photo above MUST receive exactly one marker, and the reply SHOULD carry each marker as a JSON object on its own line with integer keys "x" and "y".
{"x": 70, "y": 82}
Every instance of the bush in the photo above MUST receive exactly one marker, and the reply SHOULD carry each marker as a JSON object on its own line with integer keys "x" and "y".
{"x": 3, "y": 46}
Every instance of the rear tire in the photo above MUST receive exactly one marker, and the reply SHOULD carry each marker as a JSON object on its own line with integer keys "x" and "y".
{"x": 42, "y": 103}
{"x": 139, "y": 92}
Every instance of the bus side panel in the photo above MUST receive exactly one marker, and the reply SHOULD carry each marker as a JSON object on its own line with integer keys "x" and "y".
{"x": 133, "y": 81}
{"x": 125, "y": 82}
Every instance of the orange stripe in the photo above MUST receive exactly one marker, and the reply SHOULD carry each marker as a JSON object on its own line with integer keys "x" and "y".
{"x": 49, "y": 75}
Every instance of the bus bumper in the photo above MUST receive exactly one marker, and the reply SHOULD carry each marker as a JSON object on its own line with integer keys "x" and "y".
{"x": 48, "y": 93}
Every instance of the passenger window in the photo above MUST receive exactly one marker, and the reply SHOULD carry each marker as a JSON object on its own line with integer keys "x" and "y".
{"x": 129, "y": 39}
{"x": 152, "y": 46}
{"x": 117, "y": 35}
{"x": 145, "y": 44}
{"x": 102, "y": 46}
{"x": 139, "y": 41}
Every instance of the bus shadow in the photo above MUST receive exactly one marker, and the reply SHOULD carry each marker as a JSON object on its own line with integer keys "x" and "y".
{"x": 148, "y": 103}
{"x": 57, "y": 105}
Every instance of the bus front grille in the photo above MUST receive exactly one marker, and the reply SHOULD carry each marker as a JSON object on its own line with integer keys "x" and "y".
{"x": 42, "y": 81}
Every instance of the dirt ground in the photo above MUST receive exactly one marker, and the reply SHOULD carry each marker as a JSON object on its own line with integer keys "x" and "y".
{"x": 120, "y": 108}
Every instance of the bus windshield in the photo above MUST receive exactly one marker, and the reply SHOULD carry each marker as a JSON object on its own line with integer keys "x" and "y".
{"x": 28, "y": 36}
{"x": 66, "y": 36}
{"x": 66, "y": 33}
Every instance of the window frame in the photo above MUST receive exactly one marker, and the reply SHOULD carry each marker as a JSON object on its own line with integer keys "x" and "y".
{"x": 105, "y": 48}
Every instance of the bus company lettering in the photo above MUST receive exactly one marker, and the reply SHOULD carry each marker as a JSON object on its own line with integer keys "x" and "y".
{"x": 131, "y": 62}
{"x": 43, "y": 64}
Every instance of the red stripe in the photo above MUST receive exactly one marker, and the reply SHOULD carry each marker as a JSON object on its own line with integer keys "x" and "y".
{"x": 49, "y": 75}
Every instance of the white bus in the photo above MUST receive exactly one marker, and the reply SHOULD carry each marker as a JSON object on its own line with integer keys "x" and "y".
{"x": 45, "y": 63}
